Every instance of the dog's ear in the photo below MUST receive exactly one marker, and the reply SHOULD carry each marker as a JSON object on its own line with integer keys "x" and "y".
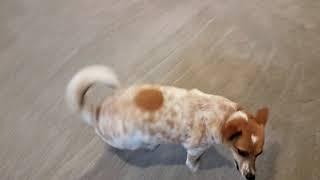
{"x": 262, "y": 116}
{"x": 232, "y": 129}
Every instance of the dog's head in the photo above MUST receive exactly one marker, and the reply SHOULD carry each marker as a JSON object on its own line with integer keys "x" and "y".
{"x": 244, "y": 134}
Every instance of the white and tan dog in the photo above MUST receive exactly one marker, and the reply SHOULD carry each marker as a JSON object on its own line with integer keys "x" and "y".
{"x": 144, "y": 116}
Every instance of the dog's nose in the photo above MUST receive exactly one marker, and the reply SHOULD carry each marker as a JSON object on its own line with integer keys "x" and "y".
{"x": 250, "y": 176}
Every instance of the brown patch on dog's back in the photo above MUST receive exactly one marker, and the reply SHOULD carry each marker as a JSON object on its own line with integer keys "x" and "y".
{"x": 149, "y": 99}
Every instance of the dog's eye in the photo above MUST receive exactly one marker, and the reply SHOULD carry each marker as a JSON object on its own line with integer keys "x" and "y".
{"x": 243, "y": 153}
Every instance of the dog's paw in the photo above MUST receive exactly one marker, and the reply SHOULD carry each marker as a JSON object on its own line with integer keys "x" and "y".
{"x": 193, "y": 166}
{"x": 152, "y": 148}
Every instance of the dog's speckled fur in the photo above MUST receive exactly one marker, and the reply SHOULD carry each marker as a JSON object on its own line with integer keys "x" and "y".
{"x": 144, "y": 116}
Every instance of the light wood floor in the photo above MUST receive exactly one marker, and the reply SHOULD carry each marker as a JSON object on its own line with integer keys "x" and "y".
{"x": 253, "y": 52}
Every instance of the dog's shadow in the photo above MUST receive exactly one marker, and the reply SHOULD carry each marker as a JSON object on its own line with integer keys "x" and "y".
{"x": 168, "y": 155}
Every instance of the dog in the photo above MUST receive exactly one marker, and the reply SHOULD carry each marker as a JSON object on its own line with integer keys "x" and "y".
{"x": 145, "y": 116}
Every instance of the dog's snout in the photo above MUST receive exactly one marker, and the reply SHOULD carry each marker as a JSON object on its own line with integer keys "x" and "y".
{"x": 250, "y": 176}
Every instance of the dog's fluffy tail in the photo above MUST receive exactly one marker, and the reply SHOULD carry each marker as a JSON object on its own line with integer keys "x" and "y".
{"x": 80, "y": 84}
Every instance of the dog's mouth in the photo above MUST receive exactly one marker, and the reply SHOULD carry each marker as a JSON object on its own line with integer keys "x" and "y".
{"x": 236, "y": 164}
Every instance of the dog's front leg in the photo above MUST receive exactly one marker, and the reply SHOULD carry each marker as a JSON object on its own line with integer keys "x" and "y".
{"x": 193, "y": 158}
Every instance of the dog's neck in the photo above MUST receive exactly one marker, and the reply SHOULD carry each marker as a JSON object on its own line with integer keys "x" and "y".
{"x": 238, "y": 111}
{"x": 215, "y": 127}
